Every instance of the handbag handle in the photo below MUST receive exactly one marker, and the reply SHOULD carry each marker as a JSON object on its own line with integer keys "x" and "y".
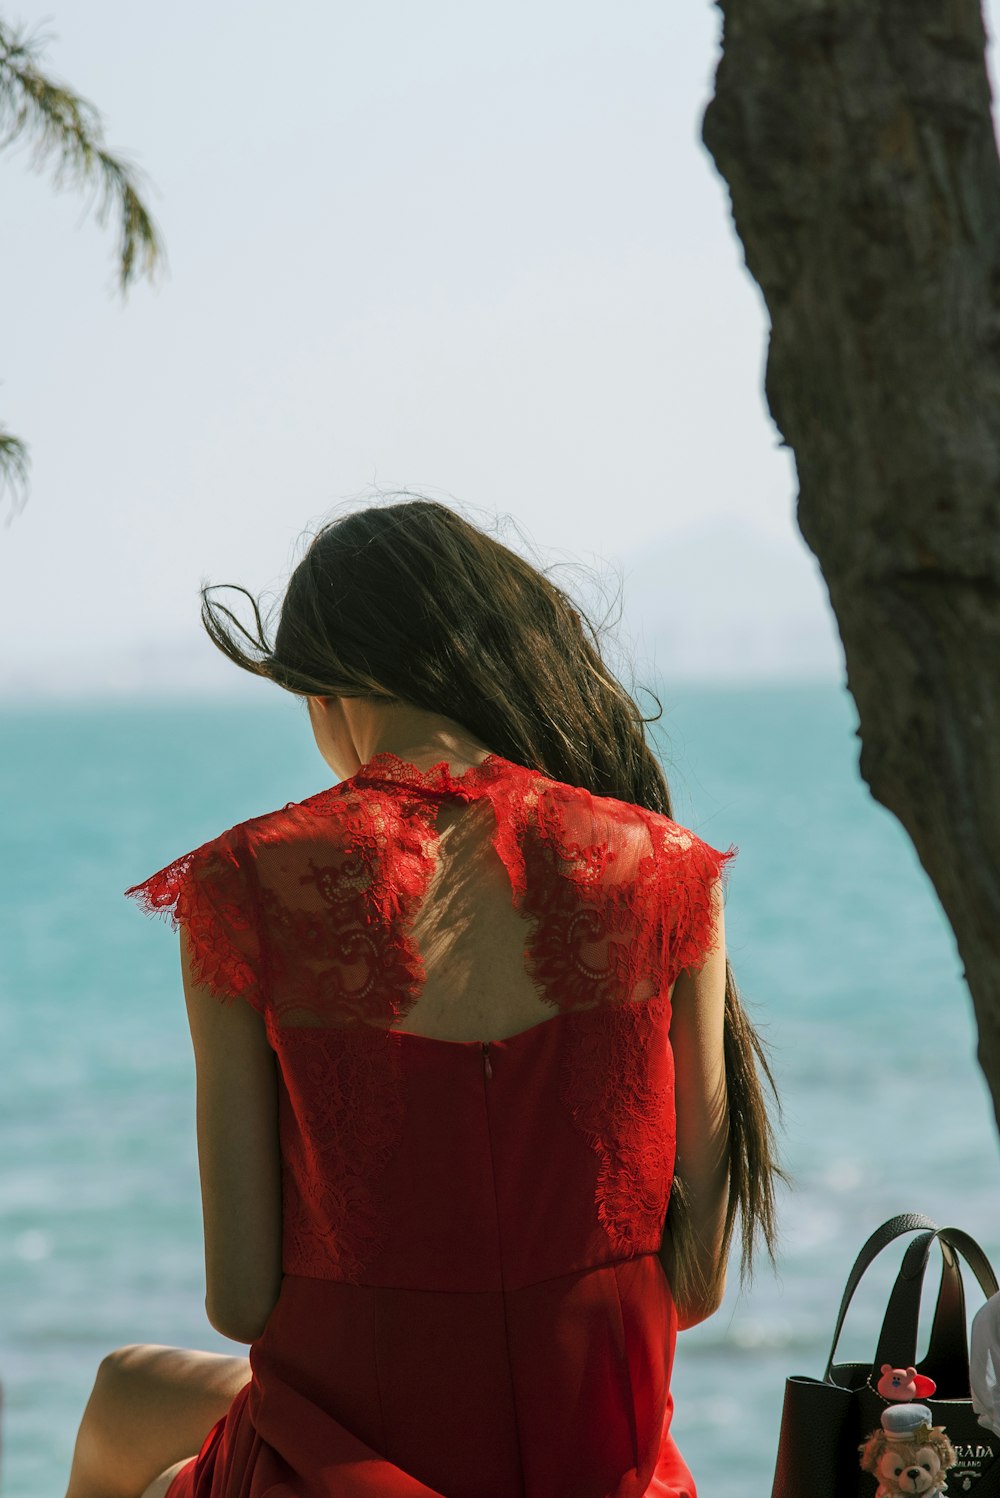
{"x": 915, "y": 1258}
{"x": 948, "y": 1350}
{"x": 904, "y": 1302}
{"x": 947, "y": 1353}
{"x": 905, "y": 1222}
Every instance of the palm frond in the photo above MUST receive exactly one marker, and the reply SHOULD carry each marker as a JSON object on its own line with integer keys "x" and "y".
{"x": 13, "y": 467}
{"x": 69, "y": 127}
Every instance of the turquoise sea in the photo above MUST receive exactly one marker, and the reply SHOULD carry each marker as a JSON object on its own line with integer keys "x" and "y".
{"x": 835, "y": 934}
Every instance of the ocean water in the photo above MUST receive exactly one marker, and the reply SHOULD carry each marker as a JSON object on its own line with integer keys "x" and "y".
{"x": 843, "y": 956}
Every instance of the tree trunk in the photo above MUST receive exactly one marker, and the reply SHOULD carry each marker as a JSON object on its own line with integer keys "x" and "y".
{"x": 857, "y": 142}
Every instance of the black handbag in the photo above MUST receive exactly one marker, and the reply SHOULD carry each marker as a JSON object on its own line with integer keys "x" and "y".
{"x": 825, "y": 1420}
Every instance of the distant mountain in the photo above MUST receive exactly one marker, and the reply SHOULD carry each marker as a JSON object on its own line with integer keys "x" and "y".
{"x": 727, "y": 600}
{"x": 185, "y": 667}
{"x": 718, "y": 601}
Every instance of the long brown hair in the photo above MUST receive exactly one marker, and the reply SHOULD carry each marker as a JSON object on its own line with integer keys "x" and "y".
{"x": 410, "y": 601}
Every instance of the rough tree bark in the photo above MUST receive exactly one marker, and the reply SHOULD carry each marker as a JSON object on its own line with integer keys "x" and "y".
{"x": 857, "y": 142}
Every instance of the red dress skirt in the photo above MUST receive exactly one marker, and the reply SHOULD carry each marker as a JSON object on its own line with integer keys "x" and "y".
{"x": 495, "y": 1348}
{"x": 318, "y": 1420}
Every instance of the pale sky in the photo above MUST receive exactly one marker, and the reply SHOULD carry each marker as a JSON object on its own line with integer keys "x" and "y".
{"x": 477, "y": 252}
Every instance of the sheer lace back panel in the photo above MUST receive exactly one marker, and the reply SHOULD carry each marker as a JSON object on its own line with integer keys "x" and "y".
{"x": 409, "y": 907}
{"x": 466, "y": 908}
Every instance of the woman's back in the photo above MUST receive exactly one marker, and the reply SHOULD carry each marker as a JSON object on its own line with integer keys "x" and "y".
{"x": 466, "y": 983}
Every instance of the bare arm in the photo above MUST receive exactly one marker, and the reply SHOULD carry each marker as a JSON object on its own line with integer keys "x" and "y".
{"x": 702, "y": 1162}
{"x": 238, "y": 1157}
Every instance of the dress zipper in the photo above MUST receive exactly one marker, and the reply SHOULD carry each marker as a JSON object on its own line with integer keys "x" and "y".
{"x": 487, "y": 1068}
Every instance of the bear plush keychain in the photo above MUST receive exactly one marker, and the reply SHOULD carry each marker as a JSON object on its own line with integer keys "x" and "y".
{"x": 907, "y": 1453}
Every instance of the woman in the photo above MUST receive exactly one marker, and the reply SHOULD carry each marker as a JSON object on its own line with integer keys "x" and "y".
{"x": 480, "y": 1104}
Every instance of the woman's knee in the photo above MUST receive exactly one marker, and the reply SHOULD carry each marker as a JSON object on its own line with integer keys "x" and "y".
{"x": 116, "y": 1372}
{"x": 166, "y": 1388}
{"x": 148, "y": 1408}
{"x": 98, "y": 1464}
{"x": 118, "y": 1362}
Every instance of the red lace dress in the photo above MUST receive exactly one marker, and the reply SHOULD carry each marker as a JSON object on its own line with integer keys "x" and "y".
{"x": 466, "y": 982}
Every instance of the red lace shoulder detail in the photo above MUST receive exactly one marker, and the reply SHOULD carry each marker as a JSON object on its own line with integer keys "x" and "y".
{"x": 209, "y": 892}
{"x": 693, "y": 872}
{"x": 337, "y": 898}
{"x": 584, "y": 873}
{"x": 618, "y": 1073}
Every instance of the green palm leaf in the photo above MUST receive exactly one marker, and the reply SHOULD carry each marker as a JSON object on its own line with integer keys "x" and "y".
{"x": 67, "y": 128}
